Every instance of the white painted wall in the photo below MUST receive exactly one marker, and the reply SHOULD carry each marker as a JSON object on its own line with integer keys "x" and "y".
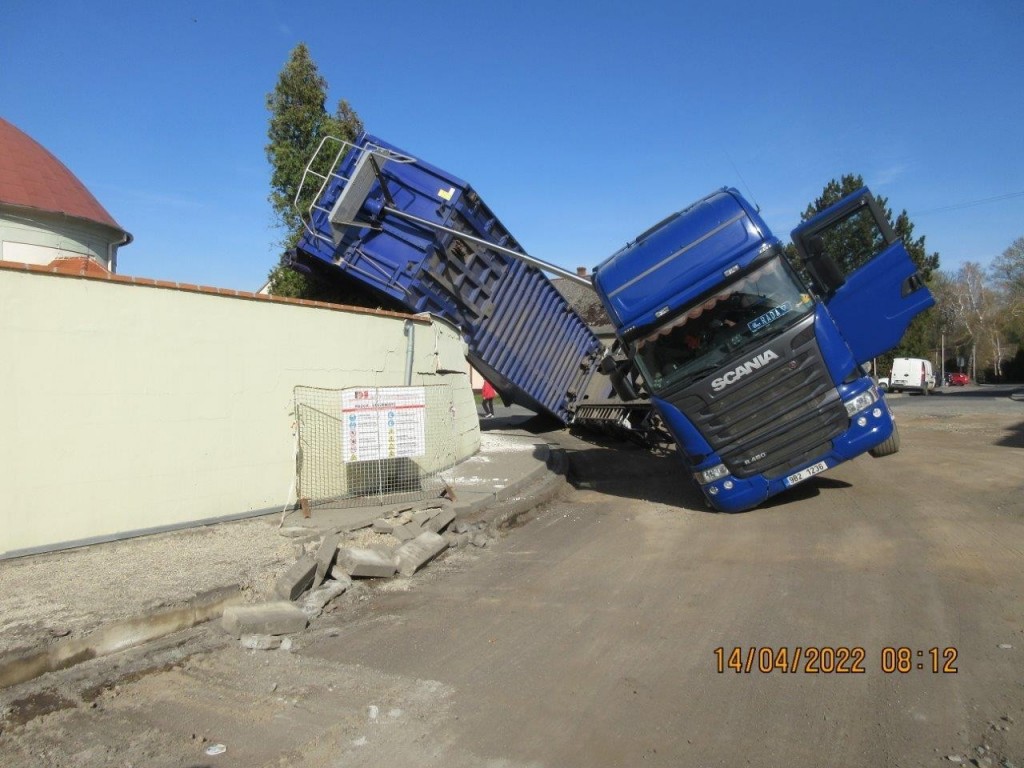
{"x": 38, "y": 237}
{"x": 126, "y": 408}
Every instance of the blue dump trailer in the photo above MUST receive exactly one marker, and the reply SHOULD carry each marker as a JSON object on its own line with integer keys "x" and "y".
{"x": 424, "y": 239}
{"x": 751, "y": 364}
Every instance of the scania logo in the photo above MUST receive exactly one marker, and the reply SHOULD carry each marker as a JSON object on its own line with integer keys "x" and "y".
{"x": 740, "y": 371}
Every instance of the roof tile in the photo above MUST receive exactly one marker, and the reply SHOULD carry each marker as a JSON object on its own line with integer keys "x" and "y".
{"x": 31, "y": 176}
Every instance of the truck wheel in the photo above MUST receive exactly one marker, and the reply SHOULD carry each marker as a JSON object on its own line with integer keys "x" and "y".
{"x": 888, "y": 446}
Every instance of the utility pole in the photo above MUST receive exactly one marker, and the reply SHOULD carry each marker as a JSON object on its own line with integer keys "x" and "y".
{"x": 942, "y": 358}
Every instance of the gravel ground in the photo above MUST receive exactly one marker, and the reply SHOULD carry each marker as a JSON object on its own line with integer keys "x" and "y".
{"x": 52, "y": 596}
{"x": 69, "y": 592}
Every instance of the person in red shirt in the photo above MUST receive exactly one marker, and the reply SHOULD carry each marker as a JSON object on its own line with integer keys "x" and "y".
{"x": 487, "y": 395}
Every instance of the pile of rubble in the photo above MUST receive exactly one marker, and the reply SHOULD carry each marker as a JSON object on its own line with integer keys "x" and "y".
{"x": 399, "y": 543}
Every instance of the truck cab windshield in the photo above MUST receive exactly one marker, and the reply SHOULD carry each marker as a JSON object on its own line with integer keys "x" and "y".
{"x": 703, "y": 337}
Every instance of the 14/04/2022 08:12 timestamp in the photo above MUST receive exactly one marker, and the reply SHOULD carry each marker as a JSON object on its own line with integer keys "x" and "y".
{"x": 840, "y": 659}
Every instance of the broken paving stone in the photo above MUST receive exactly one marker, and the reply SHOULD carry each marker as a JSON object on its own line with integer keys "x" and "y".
{"x": 277, "y": 618}
{"x": 359, "y": 526}
{"x": 414, "y": 554}
{"x": 461, "y": 527}
{"x": 293, "y": 531}
{"x": 260, "y": 642}
{"x": 315, "y": 601}
{"x": 440, "y": 521}
{"x": 380, "y": 525}
{"x": 406, "y": 532}
{"x": 325, "y": 557}
{"x": 421, "y": 518}
{"x": 296, "y": 579}
{"x": 358, "y": 562}
{"x": 480, "y": 540}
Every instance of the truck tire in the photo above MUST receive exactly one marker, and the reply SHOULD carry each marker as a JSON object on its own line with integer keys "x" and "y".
{"x": 887, "y": 447}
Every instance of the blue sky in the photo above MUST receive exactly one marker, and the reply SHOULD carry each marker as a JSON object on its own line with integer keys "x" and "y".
{"x": 580, "y": 124}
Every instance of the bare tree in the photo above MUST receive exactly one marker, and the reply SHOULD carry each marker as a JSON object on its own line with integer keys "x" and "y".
{"x": 1008, "y": 273}
{"x": 975, "y": 307}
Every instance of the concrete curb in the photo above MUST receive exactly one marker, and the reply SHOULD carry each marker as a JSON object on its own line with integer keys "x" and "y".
{"x": 549, "y": 480}
{"x": 474, "y": 508}
{"x": 117, "y": 636}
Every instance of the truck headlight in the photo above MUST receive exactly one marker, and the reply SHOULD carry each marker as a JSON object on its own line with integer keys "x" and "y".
{"x": 860, "y": 402}
{"x": 706, "y": 476}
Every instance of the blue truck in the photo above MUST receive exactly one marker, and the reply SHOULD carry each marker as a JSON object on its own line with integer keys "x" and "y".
{"x": 756, "y": 367}
{"x": 750, "y": 363}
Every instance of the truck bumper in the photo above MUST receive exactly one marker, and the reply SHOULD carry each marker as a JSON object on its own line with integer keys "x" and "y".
{"x": 733, "y": 494}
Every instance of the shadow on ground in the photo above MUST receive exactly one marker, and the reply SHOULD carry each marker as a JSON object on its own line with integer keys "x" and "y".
{"x": 1014, "y": 437}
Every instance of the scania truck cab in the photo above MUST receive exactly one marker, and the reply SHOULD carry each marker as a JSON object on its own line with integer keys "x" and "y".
{"x": 754, "y": 365}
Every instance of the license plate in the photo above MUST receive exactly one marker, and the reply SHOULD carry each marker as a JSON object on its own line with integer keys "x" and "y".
{"x": 803, "y": 474}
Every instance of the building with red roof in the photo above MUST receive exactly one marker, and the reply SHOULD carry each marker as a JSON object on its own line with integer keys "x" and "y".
{"x": 46, "y": 214}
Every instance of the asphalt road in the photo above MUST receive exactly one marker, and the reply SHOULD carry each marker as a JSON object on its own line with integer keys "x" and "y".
{"x": 586, "y": 635}
{"x": 998, "y": 398}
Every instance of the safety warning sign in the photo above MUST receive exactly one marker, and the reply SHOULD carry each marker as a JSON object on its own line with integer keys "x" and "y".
{"x": 383, "y": 423}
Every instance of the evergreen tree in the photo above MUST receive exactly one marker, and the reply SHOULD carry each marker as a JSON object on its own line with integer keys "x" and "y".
{"x": 298, "y": 122}
{"x": 835, "y": 191}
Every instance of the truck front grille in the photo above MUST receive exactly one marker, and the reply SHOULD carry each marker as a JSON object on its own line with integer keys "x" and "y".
{"x": 775, "y": 421}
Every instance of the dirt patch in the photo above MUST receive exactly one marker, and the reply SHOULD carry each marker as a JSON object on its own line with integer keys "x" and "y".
{"x": 21, "y": 711}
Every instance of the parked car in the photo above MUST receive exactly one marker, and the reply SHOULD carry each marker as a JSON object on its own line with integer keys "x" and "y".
{"x": 958, "y": 379}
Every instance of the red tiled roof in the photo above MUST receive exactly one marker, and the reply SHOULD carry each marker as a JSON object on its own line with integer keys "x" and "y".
{"x": 31, "y": 176}
{"x": 79, "y": 265}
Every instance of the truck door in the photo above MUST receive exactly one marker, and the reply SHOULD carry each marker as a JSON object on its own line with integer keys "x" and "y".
{"x": 868, "y": 281}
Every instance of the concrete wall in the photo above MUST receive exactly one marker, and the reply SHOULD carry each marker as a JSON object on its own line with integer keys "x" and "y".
{"x": 129, "y": 405}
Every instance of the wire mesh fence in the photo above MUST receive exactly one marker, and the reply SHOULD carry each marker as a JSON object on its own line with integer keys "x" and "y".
{"x": 373, "y": 445}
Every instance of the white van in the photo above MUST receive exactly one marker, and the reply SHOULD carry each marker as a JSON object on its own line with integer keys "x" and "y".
{"x": 911, "y": 374}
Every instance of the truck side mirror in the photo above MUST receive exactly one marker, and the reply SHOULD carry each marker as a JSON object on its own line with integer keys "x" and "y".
{"x": 823, "y": 267}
